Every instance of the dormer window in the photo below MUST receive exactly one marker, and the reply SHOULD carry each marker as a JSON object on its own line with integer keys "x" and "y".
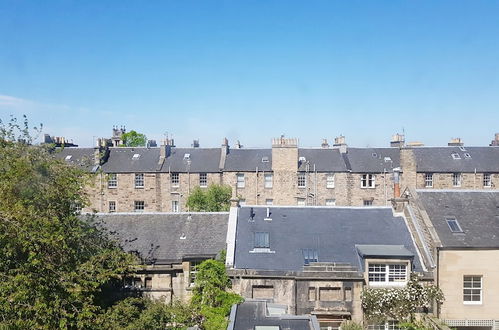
{"x": 387, "y": 274}
{"x": 455, "y": 155}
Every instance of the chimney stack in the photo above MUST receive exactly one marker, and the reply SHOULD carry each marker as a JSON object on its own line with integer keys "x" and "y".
{"x": 224, "y": 151}
{"x": 396, "y": 182}
{"x": 195, "y": 143}
{"x": 398, "y": 140}
{"x": 339, "y": 143}
{"x": 455, "y": 142}
{"x": 324, "y": 144}
{"x": 495, "y": 142}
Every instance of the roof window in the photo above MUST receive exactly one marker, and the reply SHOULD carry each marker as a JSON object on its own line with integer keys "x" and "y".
{"x": 462, "y": 148}
{"x": 68, "y": 157}
{"x": 454, "y": 225}
{"x": 387, "y": 159}
{"x": 265, "y": 159}
{"x": 187, "y": 156}
{"x": 302, "y": 159}
{"x": 455, "y": 155}
{"x": 467, "y": 155}
{"x": 136, "y": 156}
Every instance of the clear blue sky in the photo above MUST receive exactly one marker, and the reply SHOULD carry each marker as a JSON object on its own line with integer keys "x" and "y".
{"x": 252, "y": 70}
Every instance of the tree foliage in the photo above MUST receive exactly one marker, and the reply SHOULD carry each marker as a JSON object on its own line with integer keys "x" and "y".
{"x": 54, "y": 266}
{"x": 214, "y": 199}
{"x": 134, "y": 139}
{"x": 381, "y": 304}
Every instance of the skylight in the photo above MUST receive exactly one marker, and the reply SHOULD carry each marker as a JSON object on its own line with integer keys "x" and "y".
{"x": 136, "y": 156}
{"x": 187, "y": 156}
{"x": 68, "y": 157}
{"x": 265, "y": 159}
{"x": 467, "y": 155}
{"x": 455, "y": 155}
{"x": 454, "y": 225}
{"x": 462, "y": 148}
{"x": 387, "y": 159}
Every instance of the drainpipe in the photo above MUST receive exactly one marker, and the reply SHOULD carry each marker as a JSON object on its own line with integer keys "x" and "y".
{"x": 396, "y": 182}
{"x": 256, "y": 186}
{"x": 315, "y": 186}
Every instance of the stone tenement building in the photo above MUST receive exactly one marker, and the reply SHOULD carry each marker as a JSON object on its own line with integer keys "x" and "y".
{"x": 159, "y": 179}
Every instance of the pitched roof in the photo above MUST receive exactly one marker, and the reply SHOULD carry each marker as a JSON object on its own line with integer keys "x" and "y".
{"x": 324, "y": 160}
{"x": 81, "y": 157}
{"x": 124, "y": 160}
{"x": 477, "y": 213}
{"x": 333, "y": 231}
{"x": 252, "y": 313}
{"x": 248, "y": 160}
{"x": 198, "y": 160}
{"x": 169, "y": 237}
{"x": 439, "y": 159}
{"x": 373, "y": 160}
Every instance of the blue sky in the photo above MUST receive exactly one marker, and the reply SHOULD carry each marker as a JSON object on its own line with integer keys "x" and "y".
{"x": 252, "y": 70}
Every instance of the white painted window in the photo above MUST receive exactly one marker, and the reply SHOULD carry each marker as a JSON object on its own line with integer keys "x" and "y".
{"x": 175, "y": 179}
{"x": 302, "y": 180}
{"x": 387, "y": 274}
{"x": 112, "y": 180}
{"x": 240, "y": 180}
{"x": 139, "y": 206}
{"x": 112, "y": 206}
{"x": 300, "y": 201}
{"x": 330, "y": 181}
{"x": 367, "y": 181}
{"x": 472, "y": 289}
{"x": 139, "y": 180}
{"x": 428, "y": 180}
{"x": 193, "y": 270}
{"x": 269, "y": 201}
{"x": 175, "y": 206}
{"x": 268, "y": 177}
{"x": 203, "y": 179}
{"x": 456, "y": 179}
{"x": 331, "y": 202}
{"x": 389, "y": 325}
{"x": 487, "y": 181}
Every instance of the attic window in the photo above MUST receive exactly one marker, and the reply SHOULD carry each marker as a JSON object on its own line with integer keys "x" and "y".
{"x": 454, "y": 225}
{"x": 136, "y": 156}
{"x": 265, "y": 159}
{"x": 187, "y": 156}
{"x": 68, "y": 157}
{"x": 455, "y": 155}
{"x": 387, "y": 159}
{"x": 467, "y": 155}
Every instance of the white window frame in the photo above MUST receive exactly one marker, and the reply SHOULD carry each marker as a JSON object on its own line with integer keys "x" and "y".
{"x": 268, "y": 180}
{"x": 203, "y": 180}
{"x": 240, "y": 180}
{"x": 487, "y": 180}
{"x": 368, "y": 181}
{"x": 388, "y": 325}
{"x": 139, "y": 180}
{"x": 193, "y": 270}
{"x": 456, "y": 179}
{"x": 175, "y": 206}
{"x": 428, "y": 180}
{"x": 330, "y": 181}
{"x": 112, "y": 209}
{"x": 175, "y": 179}
{"x": 138, "y": 203}
{"x": 301, "y": 202}
{"x": 330, "y": 202}
{"x": 112, "y": 180}
{"x": 302, "y": 180}
{"x": 473, "y": 288}
{"x": 269, "y": 201}
{"x": 388, "y": 270}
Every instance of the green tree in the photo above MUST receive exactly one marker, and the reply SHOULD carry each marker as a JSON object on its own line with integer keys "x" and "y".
{"x": 214, "y": 199}
{"x": 134, "y": 139}
{"x": 55, "y": 266}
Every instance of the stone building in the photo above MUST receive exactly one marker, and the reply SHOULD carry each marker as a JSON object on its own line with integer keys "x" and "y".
{"x": 170, "y": 246}
{"x": 458, "y": 230}
{"x": 317, "y": 260}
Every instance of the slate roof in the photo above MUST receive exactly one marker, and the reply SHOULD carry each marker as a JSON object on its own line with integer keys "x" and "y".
{"x": 325, "y": 160}
{"x": 251, "y": 313}
{"x": 333, "y": 231}
{"x": 157, "y": 236}
{"x": 248, "y": 160}
{"x": 477, "y": 213}
{"x": 201, "y": 160}
{"x": 439, "y": 159}
{"x": 81, "y": 157}
{"x": 121, "y": 160}
{"x": 372, "y": 160}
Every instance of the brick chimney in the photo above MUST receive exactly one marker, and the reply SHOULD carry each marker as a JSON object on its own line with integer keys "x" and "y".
{"x": 398, "y": 140}
{"x": 324, "y": 144}
{"x": 339, "y": 143}
{"x": 284, "y": 154}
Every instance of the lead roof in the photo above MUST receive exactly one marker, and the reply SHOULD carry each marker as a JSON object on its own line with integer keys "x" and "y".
{"x": 477, "y": 213}
{"x": 333, "y": 231}
{"x": 169, "y": 237}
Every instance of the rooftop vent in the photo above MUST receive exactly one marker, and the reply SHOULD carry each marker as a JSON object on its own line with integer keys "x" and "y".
{"x": 455, "y": 155}
{"x": 182, "y": 236}
{"x": 68, "y": 157}
{"x": 374, "y": 154}
{"x": 136, "y": 156}
{"x": 265, "y": 159}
